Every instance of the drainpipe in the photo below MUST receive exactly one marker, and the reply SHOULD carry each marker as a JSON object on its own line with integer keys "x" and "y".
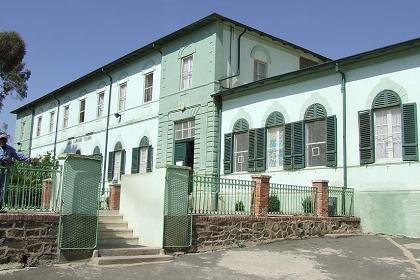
{"x": 238, "y": 71}
{"x": 218, "y": 101}
{"x": 32, "y": 129}
{"x": 56, "y": 126}
{"x": 107, "y": 129}
{"x": 344, "y": 101}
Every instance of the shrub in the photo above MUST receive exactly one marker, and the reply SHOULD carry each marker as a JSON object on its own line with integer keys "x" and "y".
{"x": 273, "y": 204}
{"x": 307, "y": 205}
{"x": 239, "y": 206}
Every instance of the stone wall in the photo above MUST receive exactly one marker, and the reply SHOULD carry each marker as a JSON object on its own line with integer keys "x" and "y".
{"x": 216, "y": 232}
{"x": 28, "y": 239}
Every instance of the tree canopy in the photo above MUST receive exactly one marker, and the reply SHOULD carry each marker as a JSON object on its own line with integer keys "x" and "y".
{"x": 13, "y": 75}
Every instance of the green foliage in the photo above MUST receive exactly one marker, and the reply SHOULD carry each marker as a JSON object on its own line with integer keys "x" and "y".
{"x": 239, "y": 206}
{"x": 13, "y": 76}
{"x": 307, "y": 205}
{"x": 273, "y": 204}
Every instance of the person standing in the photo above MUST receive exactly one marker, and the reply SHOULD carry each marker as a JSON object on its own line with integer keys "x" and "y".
{"x": 7, "y": 154}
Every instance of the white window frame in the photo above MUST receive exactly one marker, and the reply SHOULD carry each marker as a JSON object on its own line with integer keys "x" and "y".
{"x": 122, "y": 96}
{"x": 309, "y": 146}
{"x": 117, "y": 165}
{"x": 143, "y": 157}
{"x": 240, "y": 157}
{"x": 52, "y": 121}
{"x": 392, "y": 136}
{"x": 101, "y": 102}
{"x": 38, "y": 126}
{"x": 82, "y": 112}
{"x": 186, "y": 75}
{"x": 260, "y": 70}
{"x": 184, "y": 129}
{"x": 66, "y": 111}
{"x": 148, "y": 89}
{"x": 277, "y": 150}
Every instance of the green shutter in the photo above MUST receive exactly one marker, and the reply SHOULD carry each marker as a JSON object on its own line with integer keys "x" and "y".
{"x": 251, "y": 150}
{"x": 180, "y": 152}
{"x": 149, "y": 159}
{"x": 288, "y": 149}
{"x": 135, "y": 160}
{"x": 122, "y": 162}
{"x": 386, "y": 98}
{"x": 331, "y": 141}
{"x": 366, "y": 139}
{"x": 256, "y": 151}
{"x": 110, "y": 166}
{"x": 299, "y": 145}
{"x": 409, "y": 132}
{"x": 227, "y": 159}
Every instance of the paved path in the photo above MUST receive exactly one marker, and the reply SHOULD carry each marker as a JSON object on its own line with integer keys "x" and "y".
{"x": 363, "y": 257}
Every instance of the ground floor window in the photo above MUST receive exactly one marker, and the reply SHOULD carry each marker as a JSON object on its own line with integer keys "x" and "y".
{"x": 240, "y": 152}
{"x": 316, "y": 143}
{"x": 117, "y": 166}
{"x": 143, "y": 159}
{"x": 388, "y": 144}
{"x": 275, "y": 147}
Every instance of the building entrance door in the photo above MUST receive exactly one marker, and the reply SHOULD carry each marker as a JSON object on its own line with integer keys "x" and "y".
{"x": 184, "y": 153}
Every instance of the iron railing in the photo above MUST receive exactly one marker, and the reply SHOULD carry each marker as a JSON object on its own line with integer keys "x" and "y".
{"x": 104, "y": 198}
{"x": 30, "y": 187}
{"x": 219, "y": 196}
{"x": 291, "y": 200}
{"x": 340, "y": 201}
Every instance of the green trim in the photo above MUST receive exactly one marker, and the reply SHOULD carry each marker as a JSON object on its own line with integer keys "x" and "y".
{"x": 144, "y": 142}
{"x": 256, "y": 150}
{"x": 135, "y": 154}
{"x": 366, "y": 138}
{"x": 275, "y": 119}
{"x": 409, "y": 132}
{"x": 315, "y": 112}
{"x": 240, "y": 125}
{"x": 228, "y": 154}
{"x": 331, "y": 153}
{"x": 386, "y": 98}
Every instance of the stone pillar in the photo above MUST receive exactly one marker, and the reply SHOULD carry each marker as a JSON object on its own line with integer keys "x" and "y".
{"x": 46, "y": 193}
{"x": 321, "y": 197}
{"x": 262, "y": 190}
{"x": 114, "y": 196}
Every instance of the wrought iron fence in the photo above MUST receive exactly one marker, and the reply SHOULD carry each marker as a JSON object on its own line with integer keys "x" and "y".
{"x": 104, "y": 197}
{"x": 340, "y": 201}
{"x": 219, "y": 196}
{"x": 30, "y": 187}
{"x": 291, "y": 200}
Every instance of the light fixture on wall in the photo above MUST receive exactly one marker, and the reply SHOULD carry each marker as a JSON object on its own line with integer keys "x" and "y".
{"x": 118, "y": 116}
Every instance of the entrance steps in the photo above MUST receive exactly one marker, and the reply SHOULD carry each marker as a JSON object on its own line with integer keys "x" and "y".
{"x": 118, "y": 245}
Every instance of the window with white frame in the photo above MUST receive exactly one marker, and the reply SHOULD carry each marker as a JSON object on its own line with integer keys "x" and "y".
{"x": 66, "y": 116}
{"x": 82, "y": 108}
{"x": 275, "y": 147}
{"x": 316, "y": 143}
{"x": 388, "y": 142}
{"x": 186, "y": 72}
{"x": 143, "y": 159}
{"x": 22, "y": 130}
{"x": 117, "y": 165}
{"x": 148, "y": 87}
{"x": 52, "y": 121}
{"x": 38, "y": 127}
{"x": 122, "y": 97}
{"x": 101, "y": 98}
{"x": 240, "y": 152}
{"x": 260, "y": 70}
{"x": 184, "y": 129}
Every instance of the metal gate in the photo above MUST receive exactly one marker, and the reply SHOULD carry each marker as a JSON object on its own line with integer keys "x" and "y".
{"x": 79, "y": 202}
{"x": 177, "y": 223}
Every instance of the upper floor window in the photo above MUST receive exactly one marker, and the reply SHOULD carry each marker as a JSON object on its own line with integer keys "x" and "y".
{"x": 82, "y": 106}
{"x": 184, "y": 129}
{"x": 38, "y": 126}
{"x": 260, "y": 70}
{"x": 22, "y": 130}
{"x": 186, "y": 72}
{"x": 52, "y": 121}
{"x": 101, "y": 98}
{"x": 389, "y": 130}
{"x": 148, "y": 87}
{"x": 66, "y": 116}
{"x": 122, "y": 96}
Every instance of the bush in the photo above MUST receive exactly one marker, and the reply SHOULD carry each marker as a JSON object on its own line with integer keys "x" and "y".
{"x": 273, "y": 204}
{"x": 307, "y": 205}
{"x": 239, "y": 206}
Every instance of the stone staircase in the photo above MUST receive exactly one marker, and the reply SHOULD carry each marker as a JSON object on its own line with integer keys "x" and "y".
{"x": 118, "y": 245}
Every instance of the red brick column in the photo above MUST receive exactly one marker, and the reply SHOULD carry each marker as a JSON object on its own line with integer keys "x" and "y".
{"x": 321, "y": 197}
{"x": 262, "y": 190}
{"x": 114, "y": 196}
{"x": 46, "y": 193}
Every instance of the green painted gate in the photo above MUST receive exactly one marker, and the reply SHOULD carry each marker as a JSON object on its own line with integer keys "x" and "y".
{"x": 177, "y": 223}
{"x": 79, "y": 202}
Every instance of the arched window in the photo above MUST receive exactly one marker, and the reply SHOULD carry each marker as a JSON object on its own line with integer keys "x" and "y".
{"x": 97, "y": 151}
{"x": 141, "y": 160}
{"x": 275, "y": 140}
{"x": 315, "y": 135}
{"x": 238, "y": 142}
{"x": 261, "y": 59}
{"x": 116, "y": 163}
{"x": 388, "y": 131}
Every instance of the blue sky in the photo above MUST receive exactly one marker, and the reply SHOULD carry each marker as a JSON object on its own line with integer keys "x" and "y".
{"x": 67, "y": 39}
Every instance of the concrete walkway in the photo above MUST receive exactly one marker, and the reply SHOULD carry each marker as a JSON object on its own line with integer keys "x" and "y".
{"x": 362, "y": 257}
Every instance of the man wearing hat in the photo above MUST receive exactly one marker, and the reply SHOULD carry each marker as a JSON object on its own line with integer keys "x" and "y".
{"x": 7, "y": 153}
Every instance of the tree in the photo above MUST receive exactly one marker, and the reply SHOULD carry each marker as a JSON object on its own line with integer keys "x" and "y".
{"x": 13, "y": 75}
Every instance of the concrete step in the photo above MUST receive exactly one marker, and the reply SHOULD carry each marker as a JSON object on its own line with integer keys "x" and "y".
{"x": 118, "y": 241}
{"x": 115, "y": 234}
{"x": 110, "y": 219}
{"x": 130, "y": 251}
{"x": 130, "y": 259}
{"x": 103, "y": 225}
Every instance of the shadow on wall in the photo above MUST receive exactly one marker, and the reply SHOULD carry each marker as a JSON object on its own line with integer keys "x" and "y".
{"x": 71, "y": 149}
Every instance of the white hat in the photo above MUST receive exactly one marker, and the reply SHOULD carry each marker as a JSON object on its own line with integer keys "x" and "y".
{"x": 3, "y": 135}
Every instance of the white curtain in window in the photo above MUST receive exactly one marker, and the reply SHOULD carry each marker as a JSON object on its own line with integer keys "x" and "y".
{"x": 143, "y": 160}
{"x": 388, "y": 144}
{"x": 117, "y": 166}
{"x": 275, "y": 147}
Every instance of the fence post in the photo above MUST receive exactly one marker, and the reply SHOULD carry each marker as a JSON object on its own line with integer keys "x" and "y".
{"x": 321, "y": 197}
{"x": 114, "y": 196}
{"x": 262, "y": 191}
{"x": 46, "y": 193}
